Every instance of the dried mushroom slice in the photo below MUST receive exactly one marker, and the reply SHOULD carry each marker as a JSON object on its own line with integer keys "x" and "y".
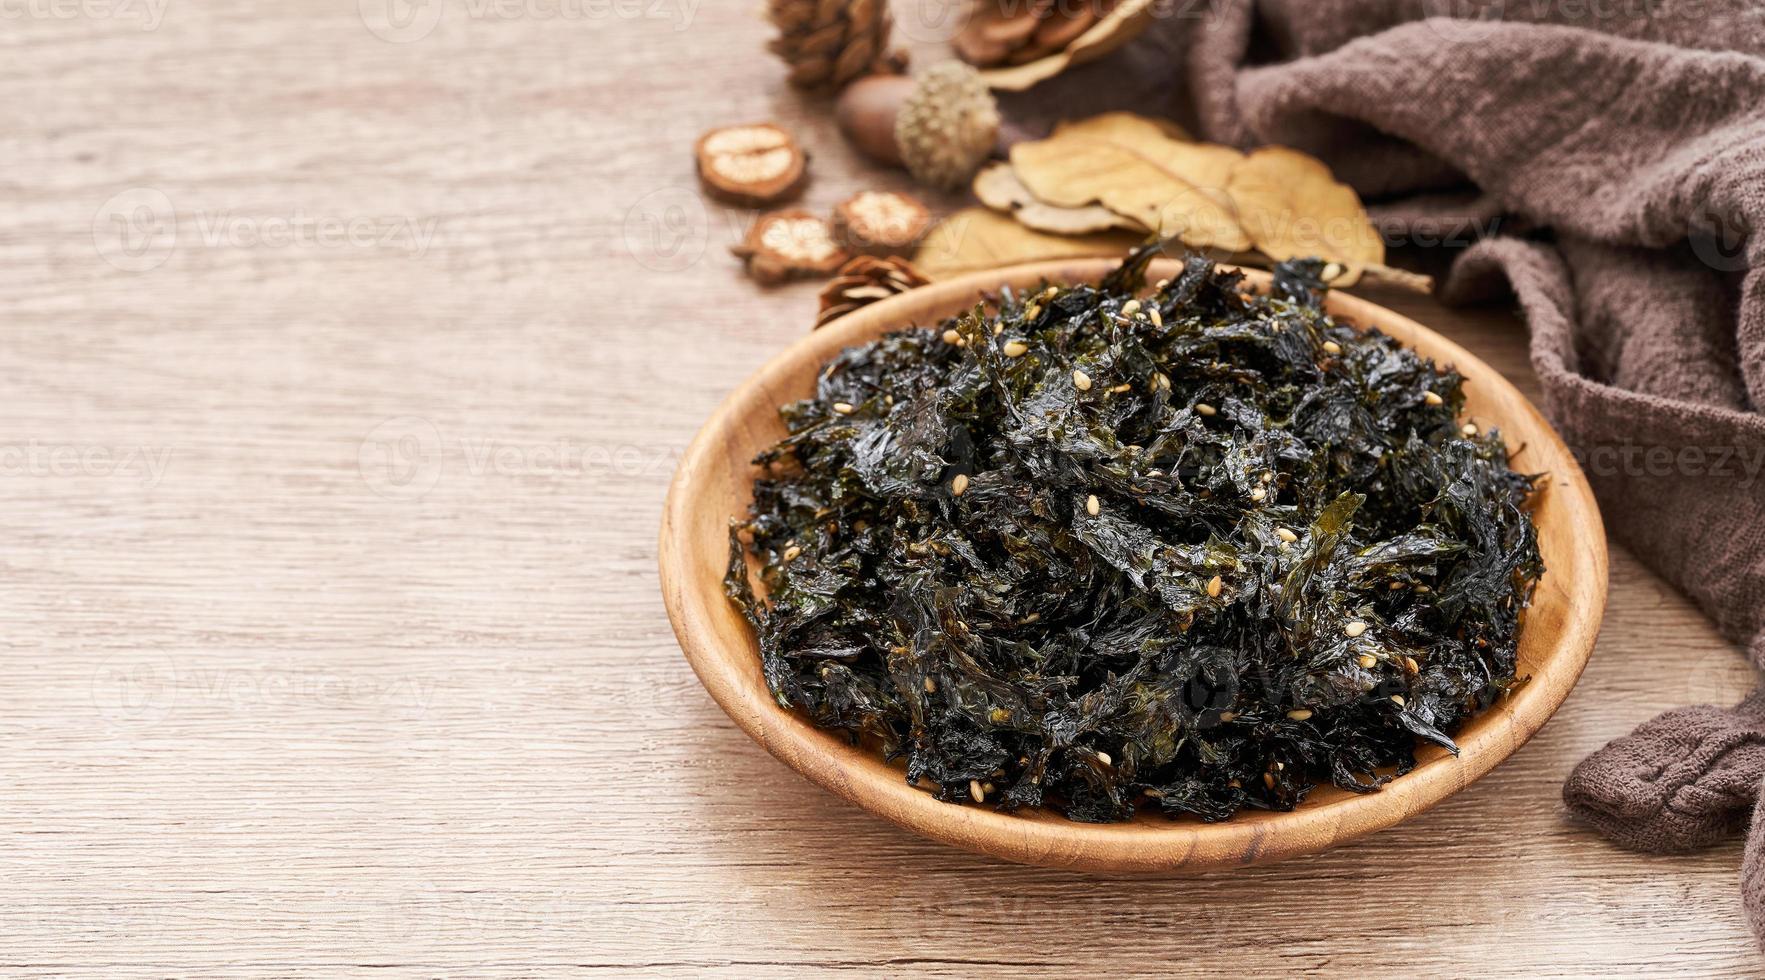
{"x": 787, "y": 245}
{"x": 880, "y": 222}
{"x": 754, "y": 164}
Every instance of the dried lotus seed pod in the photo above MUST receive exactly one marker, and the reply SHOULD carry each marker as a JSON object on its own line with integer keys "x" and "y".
{"x": 787, "y": 245}
{"x": 753, "y": 165}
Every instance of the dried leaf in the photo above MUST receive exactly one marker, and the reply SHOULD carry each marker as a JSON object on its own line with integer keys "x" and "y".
{"x": 1130, "y": 166}
{"x": 976, "y": 238}
{"x": 998, "y": 187}
{"x": 1293, "y": 207}
{"x": 1116, "y": 28}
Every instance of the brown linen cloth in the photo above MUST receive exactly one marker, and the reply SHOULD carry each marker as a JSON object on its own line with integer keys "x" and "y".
{"x": 1612, "y": 153}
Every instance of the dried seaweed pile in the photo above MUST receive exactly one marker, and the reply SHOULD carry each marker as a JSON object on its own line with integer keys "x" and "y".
{"x": 1201, "y": 549}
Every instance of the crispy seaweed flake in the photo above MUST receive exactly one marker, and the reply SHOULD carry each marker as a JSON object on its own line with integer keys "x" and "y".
{"x": 1199, "y": 549}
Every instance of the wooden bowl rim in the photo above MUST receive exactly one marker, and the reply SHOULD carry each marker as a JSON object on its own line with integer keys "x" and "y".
{"x": 730, "y": 672}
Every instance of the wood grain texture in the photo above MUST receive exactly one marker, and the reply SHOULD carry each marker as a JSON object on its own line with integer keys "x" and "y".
{"x": 714, "y": 484}
{"x": 374, "y": 675}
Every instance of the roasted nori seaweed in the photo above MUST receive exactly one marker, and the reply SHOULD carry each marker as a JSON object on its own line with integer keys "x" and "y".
{"x": 1297, "y": 565}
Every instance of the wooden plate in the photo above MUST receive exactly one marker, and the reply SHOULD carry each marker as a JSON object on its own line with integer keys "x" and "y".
{"x": 713, "y": 484}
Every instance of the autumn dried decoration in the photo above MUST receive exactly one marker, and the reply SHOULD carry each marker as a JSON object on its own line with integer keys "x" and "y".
{"x": 999, "y": 188}
{"x": 941, "y": 124}
{"x": 752, "y": 165}
{"x": 1133, "y": 167}
{"x": 863, "y": 281}
{"x": 786, "y": 245}
{"x": 1021, "y": 42}
{"x": 880, "y": 222}
{"x": 978, "y": 238}
{"x": 829, "y": 43}
{"x": 1120, "y": 171}
{"x": 1292, "y": 206}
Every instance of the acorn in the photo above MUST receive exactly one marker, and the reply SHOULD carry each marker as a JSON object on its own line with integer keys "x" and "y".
{"x": 941, "y": 124}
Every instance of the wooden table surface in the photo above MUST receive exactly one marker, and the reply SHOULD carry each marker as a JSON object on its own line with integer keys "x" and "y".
{"x": 344, "y": 377}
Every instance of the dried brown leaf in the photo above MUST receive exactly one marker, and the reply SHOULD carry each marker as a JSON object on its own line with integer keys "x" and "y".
{"x": 976, "y": 238}
{"x": 998, "y": 187}
{"x": 1131, "y": 166}
{"x": 1293, "y": 207}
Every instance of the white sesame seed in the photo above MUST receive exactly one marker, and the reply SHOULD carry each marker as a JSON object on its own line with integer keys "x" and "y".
{"x": 1286, "y": 535}
{"x": 975, "y": 791}
{"x": 1093, "y": 506}
{"x": 1081, "y": 381}
{"x": 1157, "y": 318}
{"x": 1015, "y": 348}
{"x": 1433, "y": 399}
{"x": 1227, "y": 716}
{"x": 844, "y": 408}
{"x": 1257, "y": 494}
{"x": 1131, "y": 307}
{"x": 1204, "y": 409}
{"x": 951, "y": 337}
{"x": 1355, "y": 628}
{"x": 1299, "y": 714}
{"x": 931, "y": 686}
{"x": 958, "y": 484}
{"x": 1032, "y": 311}
{"x": 1215, "y": 586}
{"x": 791, "y": 553}
{"x": 1332, "y": 347}
{"x": 1409, "y": 664}
{"x": 1397, "y": 699}
{"x": 1104, "y": 758}
{"x": 1367, "y": 660}
{"x": 1470, "y": 430}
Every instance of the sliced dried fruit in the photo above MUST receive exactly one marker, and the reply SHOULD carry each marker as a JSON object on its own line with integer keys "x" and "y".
{"x": 976, "y": 238}
{"x": 753, "y": 165}
{"x": 1292, "y": 207}
{"x": 863, "y": 281}
{"x": 998, "y": 188}
{"x": 790, "y": 245}
{"x": 880, "y": 222}
{"x": 1134, "y": 170}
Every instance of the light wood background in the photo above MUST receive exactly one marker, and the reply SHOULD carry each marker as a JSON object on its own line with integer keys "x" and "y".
{"x": 327, "y": 579}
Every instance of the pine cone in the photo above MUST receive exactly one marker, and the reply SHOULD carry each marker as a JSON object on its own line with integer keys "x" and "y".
{"x": 863, "y": 281}
{"x": 828, "y": 43}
